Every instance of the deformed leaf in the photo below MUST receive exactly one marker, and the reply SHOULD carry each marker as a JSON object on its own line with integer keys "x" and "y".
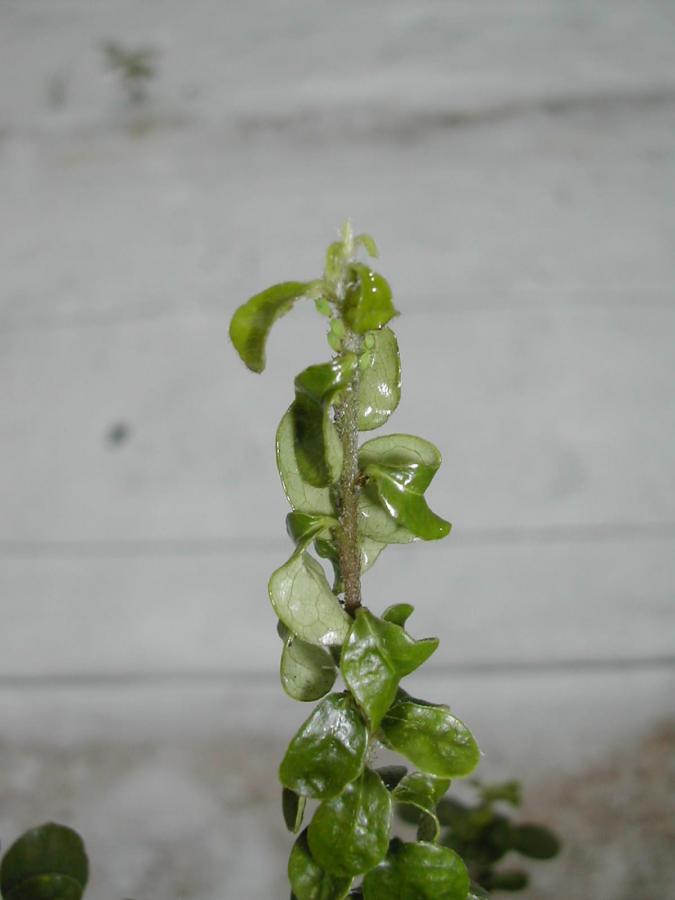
{"x": 302, "y": 496}
{"x": 400, "y": 467}
{"x": 380, "y": 381}
{"x": 308, "y": 880}
{"x": 349, "y": 834}
{"x": 307, "y": 671}
{"x": 430, "y": 737}
{"x": 318, "y": 450}
{"x": 423, "y": 792}
{"x": 398, "y": 613}
{"x": 375, "y": 656}
{"x": 45, "y": 863}
{"x": 420, "y": 871}
{"x": 304, "y": 602}
{"x": 293, "y": 808}
{"x": 368, "y": 304}
{"x": 328, "y": 751}
{"x": 534, "y": 841}
{"x": 252, "y": 321}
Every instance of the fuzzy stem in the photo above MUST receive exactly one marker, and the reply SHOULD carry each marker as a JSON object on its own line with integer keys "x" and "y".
{"x": 348, "y": 540}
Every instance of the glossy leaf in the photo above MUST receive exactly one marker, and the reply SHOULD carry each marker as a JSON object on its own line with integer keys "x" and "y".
{"x": 375, "y": 656}
{"x": 420, "y": 871}
{"x": 302, "y": 496}
{"x": 534, "y": 841}
{"x": 423, "y": 792}
{"x": 398, "y": 613}
{"x": 368, "y": 304}
{"x": 401, "y": 467}
{"x": 369, "y": 550}
{"x": 430, "y": 737}
{"x": 308, "y": 880}
{"x": 252, "y": 321}
{"x": 375, "y": 523}
{"x": 304, "y": 527}
{"x": 293, "y": 808}
{"x": 307, "y": 671}
{"x": 304, "y": 602}
{"x": 44, "y": 863}
{"x": 328, "y": 751}
{"x": 391, "y": 775}
{"x": 380, "y": 381}
{"x": 349, "y": 834}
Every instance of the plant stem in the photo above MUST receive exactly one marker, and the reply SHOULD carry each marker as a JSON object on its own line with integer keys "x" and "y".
{"x": 348, "y": 541}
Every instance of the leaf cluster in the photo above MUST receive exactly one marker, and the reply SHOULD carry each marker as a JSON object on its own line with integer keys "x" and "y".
{"x": 483, "y": 834}
{"x": 347, "y": 504}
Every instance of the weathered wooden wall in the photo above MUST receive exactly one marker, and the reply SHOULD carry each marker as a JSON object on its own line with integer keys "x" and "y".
{"x": 516, "y": 162}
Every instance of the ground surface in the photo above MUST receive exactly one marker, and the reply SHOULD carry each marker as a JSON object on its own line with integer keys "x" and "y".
{"x": 516, "y": 162}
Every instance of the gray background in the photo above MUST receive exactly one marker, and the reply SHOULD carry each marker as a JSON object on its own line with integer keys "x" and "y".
{"x": 516, "y": 163}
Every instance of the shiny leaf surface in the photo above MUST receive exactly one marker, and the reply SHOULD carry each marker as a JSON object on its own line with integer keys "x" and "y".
{"x": 308, "y": 880}
{"x": 293, "y": 808}
{"x": 318, "y": 451}
{"x": 380, "y": 381}
{"x": 302, "y": 527}
{"x": 376, "y": 655}
{"x": 368, "y": 303}
{"x": 534, "y": 841}
{"x": 44, "y": 861}
{"x": 423, "y": 792}
{"x": 349, "y": 834}
{"x": 328, "y": 751}
{"x": 307, "y": 671}
{"x": 401, "y": 467}
{"x": 399, "y": 613}
{"x": 302, "y": 496}
{"x": 304, "y": 602}
{"x": 375, "y": 523}
{"x": 420, "y": 871}
{"x": 252, "y": 321}
{"x": 430, "y": 737}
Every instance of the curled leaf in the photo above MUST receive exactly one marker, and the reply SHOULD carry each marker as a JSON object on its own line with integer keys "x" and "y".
{"x": 430, "y": 737}
{"x": 328, "y": 751}
{"x": 349, "y": 834}
{"x": 307, "y": 671}
{"x": 422, "y": 792}
{"x": 400, "y": 467}
{"x": 375, "y": 656}
{"x": 251, "y": 323}
{"x": 293, "y": 808}
{"x": 302, "y": 495}
{"x": 368, "y": 304}
{"x": 380, "y": 381}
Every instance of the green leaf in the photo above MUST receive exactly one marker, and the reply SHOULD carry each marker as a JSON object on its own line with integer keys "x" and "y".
{"x": 464, "y": 822}
{"x": 293, "y": 808}
{"x": 307, "y": 671}
{"x": 318, "y": 450}
{"x": 380, "y": 382}
{"x": 367, "y": 241}
{"x": 304, "y": 602}
{"x": 349, "y": 834}
{"x": 368, "y": 304}
{"x": 391, "y": 775}
{"x": 328, "y": 751}
{"x": 423, "y": 792}
{"x": 46, "y": 862}
{"x": 252, "y": 321}
{"x": 375, "y": 523}
{"x": 476, "y": 892}
{"x": 308, "y": 880}
{"x": 369, "y": 549}
{"x": 534, "y": 841}
{"x": 506, "y": 792}
{"x": 375, "y": 656}
{"x": 430, "y": 737}
{"x": 420, "y": 871}
{"x": 401, "y": 467}
{"x": 302, "y": 496}
{"x": 399, "y": 613}
{"x": 304, "y": 527}
{"x": 509, "y": 880}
